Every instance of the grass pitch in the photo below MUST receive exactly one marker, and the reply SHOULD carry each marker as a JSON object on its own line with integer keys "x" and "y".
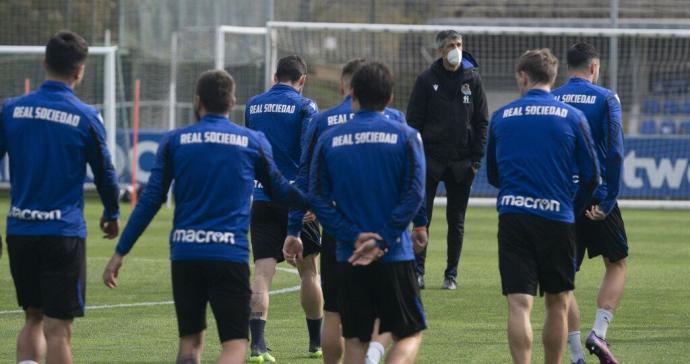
{"x": 135, "y": 323}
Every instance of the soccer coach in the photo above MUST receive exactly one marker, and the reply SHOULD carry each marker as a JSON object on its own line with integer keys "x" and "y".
{"x": 535, "y": 144}
{"x": 448, "y": 107}
{"x": 50, "y": 137}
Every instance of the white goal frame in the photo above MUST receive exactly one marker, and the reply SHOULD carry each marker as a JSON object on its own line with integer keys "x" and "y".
{"x": 109, "y": 85}
{"x": 614, "y": 34}
{"x": 219, "y": 51}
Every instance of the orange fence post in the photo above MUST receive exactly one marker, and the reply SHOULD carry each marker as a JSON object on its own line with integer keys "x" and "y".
{"x": 135, "y": 140}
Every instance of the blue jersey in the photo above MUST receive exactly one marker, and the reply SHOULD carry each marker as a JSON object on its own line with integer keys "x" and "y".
{"x": 317, "y": 126}
{"x": 603, "y": 111}
{"x": 50, "y": 136}
{"x": 535, "y": 144}
{"x": 214, "y": 164}
{"x": 368, "y": 176}
{"x": 281, "y": 113}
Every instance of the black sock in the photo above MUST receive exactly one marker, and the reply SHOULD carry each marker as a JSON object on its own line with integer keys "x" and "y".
{"x": 314, "y": 327}
{"x": 256, "y": 327}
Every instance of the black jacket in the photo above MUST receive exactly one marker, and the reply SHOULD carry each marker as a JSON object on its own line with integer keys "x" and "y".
{"x": 450, "y": 111}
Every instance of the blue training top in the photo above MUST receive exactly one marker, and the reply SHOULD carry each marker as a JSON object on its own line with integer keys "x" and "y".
{"x": 214, "y": 164}
{"x": 50, "y": 136}
{"x": 281, "y": 113}
{"x": 603, "y": 111}
{"x": 318, "y": 125}
{"x": 536, "y": 143}
{"x": 368, "y": 176}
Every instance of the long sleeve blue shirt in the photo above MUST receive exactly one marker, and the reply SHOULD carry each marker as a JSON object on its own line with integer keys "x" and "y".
{"x": 536, "y": 143}
{"x": 367, "y": 175}
{"x": 282, "y": 114}
{"x": 50, "y": 137}
{"x": 318, "y": 125}
{"x": 214, "y": 164}
{"x": 603, "y": 111}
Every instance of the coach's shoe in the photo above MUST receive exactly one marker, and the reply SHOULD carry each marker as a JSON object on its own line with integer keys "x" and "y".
{"x": 315, "y": 352}
{"x": 449, "y": 283}
{"x": 420, "y": 281}
{"x": 600, "y": 348}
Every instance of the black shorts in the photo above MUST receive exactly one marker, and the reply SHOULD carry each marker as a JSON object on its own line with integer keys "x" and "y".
{"x": 606, "y": 237}
{"x": 387, "y": 291}
{"x": 49, "y": 273}
{"x": 329, "y": 274}
{"x": 225, "y": 285}
{"x": 269, "y": 229}
{"x": 535, "y": 252}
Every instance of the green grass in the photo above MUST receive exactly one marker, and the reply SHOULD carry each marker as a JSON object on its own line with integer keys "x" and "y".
{"x": 465, "y": 326}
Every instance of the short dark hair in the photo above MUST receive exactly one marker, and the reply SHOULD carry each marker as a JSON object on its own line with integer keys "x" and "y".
{"x": 216, "y": 90}
{"x": 581, "y": 54}
{"x": 372, "y": 85}
{"x": 444, "y": 35}
{"x": 540, "y": 65}
{"x": 66, "y": 51}
{"x": 290, "y": 68}
{"x": 350, "y": 68}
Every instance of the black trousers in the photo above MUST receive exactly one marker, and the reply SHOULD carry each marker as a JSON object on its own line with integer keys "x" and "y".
{"x": 457, "y": 194}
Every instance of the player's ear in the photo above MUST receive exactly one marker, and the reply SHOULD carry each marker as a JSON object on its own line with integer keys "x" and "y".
{"x": 80, "y": 73}
{"x": 355, "y": 103}
{"x": 593, "y": 67}
{"x": 233, "y": 101}
{"x": 275, "y": 79}
{"x": 302, "y": 80}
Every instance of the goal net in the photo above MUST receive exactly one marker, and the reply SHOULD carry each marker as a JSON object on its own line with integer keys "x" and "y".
{"x": 648, "y": 68}
{"x": 23, "y": 72}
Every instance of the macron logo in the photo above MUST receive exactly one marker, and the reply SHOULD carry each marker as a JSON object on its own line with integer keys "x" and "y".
{"x": 531, "y": 203}
{"x": 35, "y": 215}
{"x": 202, "y": 236}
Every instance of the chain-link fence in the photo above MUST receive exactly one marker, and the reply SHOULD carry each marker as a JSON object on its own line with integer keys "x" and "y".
{"x": 166, "y": 44}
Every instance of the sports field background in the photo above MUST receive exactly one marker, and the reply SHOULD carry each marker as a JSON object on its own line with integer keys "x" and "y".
{"x": 465, "y": 326}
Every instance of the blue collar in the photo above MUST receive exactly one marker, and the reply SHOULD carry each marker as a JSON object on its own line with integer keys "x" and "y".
{"x": 280, "y": 86}
{"x": 365, "y": 113}
{"x": 56, "y": 86}
{"x": 214, "y": 118}
{"x": 578, "y": 80}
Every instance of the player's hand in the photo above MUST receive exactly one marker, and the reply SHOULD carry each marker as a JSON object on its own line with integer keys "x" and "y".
{"x": 111, "y": 228}
{"x": 420, "y": 239}
{"x": 308, "y": 217}
{"x": 112, "y": 270}
{"x": 475, "y": 167}
{"x": 292, "y": 250}
{"x": 595, "y": 213}
{"x": 366, "y": 249}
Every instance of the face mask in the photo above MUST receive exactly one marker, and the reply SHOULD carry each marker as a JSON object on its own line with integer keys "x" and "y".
{"x": 454, "y": 57}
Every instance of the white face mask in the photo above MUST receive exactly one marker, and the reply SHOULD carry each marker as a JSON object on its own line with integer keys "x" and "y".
{"x": 454, "y": 57}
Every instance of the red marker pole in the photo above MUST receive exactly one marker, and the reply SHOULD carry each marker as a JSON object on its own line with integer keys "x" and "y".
{"x": 27, "y": 86}
{"x": 135, "y": 140}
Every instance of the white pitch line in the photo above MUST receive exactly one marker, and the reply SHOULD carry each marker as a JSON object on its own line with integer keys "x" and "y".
{"x": 163, "y": 303}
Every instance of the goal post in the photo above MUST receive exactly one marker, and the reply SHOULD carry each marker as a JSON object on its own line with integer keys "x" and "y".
{"x": 644, "y": 66}
{"x": 104, "y": 99}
